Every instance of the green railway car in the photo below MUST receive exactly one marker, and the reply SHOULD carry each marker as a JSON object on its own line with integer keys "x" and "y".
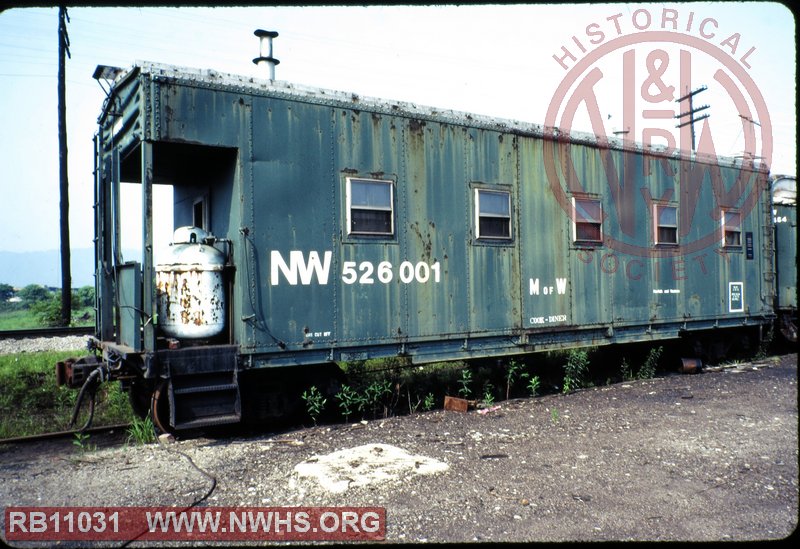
{"x": 784, "y": 211}
{"x": 330, "y": 227}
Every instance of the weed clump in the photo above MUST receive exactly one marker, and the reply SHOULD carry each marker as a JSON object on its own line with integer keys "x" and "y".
{"x": 575, "y": 370}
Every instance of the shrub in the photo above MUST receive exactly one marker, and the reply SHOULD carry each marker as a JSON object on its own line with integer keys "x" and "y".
{"x": 48, "y": 311}
{"x": 465, "y": 381}
{"x": 348, "y": 401}
{"x": 533, "y": 386}
{"x": 315, "y": 403}
{"x": 648, "y": 369}
{"x": 575, "y": 370}
{"x": 514, "y": 371}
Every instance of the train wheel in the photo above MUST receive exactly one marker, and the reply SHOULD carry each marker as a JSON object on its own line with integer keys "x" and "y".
{"x": 788, "y": 327}
{"x": 159, "y": 407}
{"x": 140, "y": 394}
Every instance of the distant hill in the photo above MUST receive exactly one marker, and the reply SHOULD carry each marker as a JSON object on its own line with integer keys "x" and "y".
{"x": 20, "y": 269}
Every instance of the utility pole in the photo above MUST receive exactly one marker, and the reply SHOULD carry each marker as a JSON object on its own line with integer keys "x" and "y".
{"x": 751, "y": 137}
{"x": 691, "y": 112}
{"x": 66, "y": 277}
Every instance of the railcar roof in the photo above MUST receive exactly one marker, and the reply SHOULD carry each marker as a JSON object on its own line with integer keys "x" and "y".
{"x": 213, "y": 78}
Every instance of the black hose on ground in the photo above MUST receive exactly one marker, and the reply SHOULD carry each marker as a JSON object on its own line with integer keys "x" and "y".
{"x": 89, "y": 387}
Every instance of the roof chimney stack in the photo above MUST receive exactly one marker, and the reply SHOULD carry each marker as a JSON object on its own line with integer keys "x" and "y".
{"x": 265, "y": 51}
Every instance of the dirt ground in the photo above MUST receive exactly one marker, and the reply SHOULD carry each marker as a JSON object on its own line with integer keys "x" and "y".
{"x": 705, "y": 457}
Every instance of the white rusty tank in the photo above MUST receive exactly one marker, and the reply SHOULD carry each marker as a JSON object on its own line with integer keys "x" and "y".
{"x": 784, "y": 189}
{"x": 190, "y": 287}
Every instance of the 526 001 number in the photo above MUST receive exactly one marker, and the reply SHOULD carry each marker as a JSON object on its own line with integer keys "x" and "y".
{"x": 367, "y": 272}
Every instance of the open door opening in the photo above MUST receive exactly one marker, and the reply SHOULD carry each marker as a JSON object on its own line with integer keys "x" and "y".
{"x": 187, "y": 186}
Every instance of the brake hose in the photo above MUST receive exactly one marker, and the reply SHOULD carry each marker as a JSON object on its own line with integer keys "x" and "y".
{"x": 90, "y": 385}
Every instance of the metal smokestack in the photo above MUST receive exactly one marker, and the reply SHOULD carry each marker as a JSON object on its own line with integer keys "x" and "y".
{"x": 265, "y": 51}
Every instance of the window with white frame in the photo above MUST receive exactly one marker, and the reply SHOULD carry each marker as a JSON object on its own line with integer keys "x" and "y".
{"x": 731, "y": 228}
{"x": 666, "y": 224}
{"x": 492, "y": 214}
{"x": 370, "y": 207}
{"x": 587, "y": 220}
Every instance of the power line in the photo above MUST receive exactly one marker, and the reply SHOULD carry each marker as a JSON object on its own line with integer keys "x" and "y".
{"x": 692, "y": 111}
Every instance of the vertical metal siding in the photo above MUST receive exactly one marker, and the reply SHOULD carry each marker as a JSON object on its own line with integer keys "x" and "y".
{"x": 367, "y": 145}
{"x": 295, "y": 156}
{"x": 433, "y": 193}
{"x": 291, "y": 203}
{"x": 493, "y": 267}
{"x": 593, "y": 296}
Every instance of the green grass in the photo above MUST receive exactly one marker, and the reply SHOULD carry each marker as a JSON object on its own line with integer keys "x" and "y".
{"x": 18, "y": 320}
{"x": 141, "y": 431}
{"x": 23, "y": 319}
{"x": 30, "y": 402}
{"x": 83, "y": 317}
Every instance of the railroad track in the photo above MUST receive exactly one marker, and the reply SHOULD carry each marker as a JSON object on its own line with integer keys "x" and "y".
{"x": 64, "y": 434}
{"x": 47, "y": 332}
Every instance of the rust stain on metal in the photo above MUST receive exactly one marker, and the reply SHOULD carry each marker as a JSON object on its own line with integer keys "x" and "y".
{"x": 455, "y": 404}
{"x": 185, "y": 291}
{"x": 691, "y": 365}
{"x": 416, "y": 126}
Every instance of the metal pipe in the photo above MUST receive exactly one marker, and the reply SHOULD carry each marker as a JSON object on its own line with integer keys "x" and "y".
{"x": 265, "y": 51}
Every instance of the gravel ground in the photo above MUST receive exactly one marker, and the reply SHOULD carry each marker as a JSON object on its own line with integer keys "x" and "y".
{"x": 707, "y": 457}
{"x": 37, "y": 344}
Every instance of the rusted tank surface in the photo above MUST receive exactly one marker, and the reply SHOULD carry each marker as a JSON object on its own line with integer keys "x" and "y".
{"x": 190, "y": 287}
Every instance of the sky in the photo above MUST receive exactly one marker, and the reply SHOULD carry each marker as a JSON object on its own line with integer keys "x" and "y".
{"x": 506, "y": 61}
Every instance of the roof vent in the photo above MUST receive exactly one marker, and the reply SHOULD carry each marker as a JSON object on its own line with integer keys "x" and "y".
{"x": 265, "y": 51}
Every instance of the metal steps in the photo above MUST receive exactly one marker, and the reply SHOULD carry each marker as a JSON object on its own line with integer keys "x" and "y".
{"x": 204, "y": 400}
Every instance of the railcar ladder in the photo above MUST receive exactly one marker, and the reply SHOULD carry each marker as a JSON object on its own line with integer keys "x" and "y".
{"x": 768, "y": 253}
{"x": 203, "y": 387}
{"x": 203, "y": 401}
